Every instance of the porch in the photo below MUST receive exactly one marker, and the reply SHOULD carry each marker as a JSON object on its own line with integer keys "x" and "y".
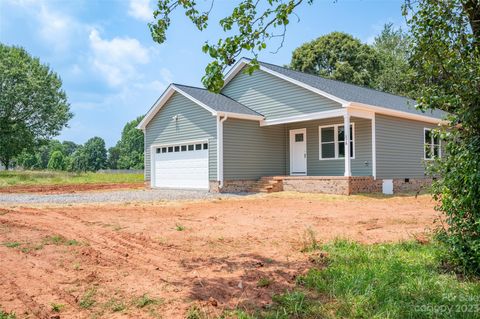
{"x": 312, "y": 153}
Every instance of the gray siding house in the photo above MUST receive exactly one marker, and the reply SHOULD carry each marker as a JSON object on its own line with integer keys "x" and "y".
{"x": 280, "y": 129}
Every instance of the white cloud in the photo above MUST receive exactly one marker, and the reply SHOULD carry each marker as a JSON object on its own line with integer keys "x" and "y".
{"x": 140, "y": 9}
{"x": 55, "y": 28}
{"x": 117, "y": 59}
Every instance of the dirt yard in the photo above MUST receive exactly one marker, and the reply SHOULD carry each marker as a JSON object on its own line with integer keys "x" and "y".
{"x": 98, "y": 260}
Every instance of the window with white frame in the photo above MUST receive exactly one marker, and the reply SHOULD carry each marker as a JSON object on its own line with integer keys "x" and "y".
{"x": 431, "y": 144}
{"x": 332, "y": 141}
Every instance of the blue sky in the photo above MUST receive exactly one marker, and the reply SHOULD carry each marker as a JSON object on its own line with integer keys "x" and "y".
{"x": 113, "y": 72}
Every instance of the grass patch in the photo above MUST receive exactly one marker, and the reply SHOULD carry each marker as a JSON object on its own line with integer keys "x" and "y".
{"x": 88, "y": 299}
{"x": 264, "y": 282}
{"x": 60, "y": 240}
{"x": 179, "y": 227}
{"x": 144, "y": 301}
{"x": 400, "y": 280}
{"x": 194, "y": 312}
{"x": 116, "y": 305}
{"x": 309, "y": 241}
{"x": 7, "y": 315}
{"x": 12, "y": 244}
{"x": 57, "y": 307}
{"x": 12, "y": 178}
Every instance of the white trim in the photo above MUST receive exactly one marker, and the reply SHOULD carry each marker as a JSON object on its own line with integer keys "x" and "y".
{"x": 305, "y": 117}
{"x": 431, "y": 144}
{"x": 374, "y": 148}
{"x": 395, "y": 113}
{"x": 360, "y": 113}
{"x": 154, "y": 146}
{"x": 335, "y": 141}
{"x": 237, "y": 67}
{"x": 292, "y": 133}
{"x": 241, "y": 116}
{"x": 346, "y": 144}
{"x": 242, "y": 62}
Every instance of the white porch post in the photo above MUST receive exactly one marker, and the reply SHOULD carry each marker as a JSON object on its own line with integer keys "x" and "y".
{"x": 346, "y": 129}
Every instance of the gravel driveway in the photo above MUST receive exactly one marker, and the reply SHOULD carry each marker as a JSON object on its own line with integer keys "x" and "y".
{"x": 143, "y": 195}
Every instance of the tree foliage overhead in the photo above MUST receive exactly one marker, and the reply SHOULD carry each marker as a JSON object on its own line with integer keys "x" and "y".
{"x": 338, "y": 56}
{"x": 250, "y": 25}
{"x": 446, "y": 60}
{"x": 33, "y": 106}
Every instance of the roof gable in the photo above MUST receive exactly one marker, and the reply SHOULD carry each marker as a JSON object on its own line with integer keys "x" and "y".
{"x": 342, "y": 92}
{"x": 216, "y": 104}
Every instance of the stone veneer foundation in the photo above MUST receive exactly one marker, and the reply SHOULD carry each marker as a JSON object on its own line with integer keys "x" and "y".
{"x": 238, "y": 186}
{"x": 340, "y": 185}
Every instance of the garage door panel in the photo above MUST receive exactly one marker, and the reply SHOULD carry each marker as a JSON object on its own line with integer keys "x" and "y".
{"x": 187, "y": 169}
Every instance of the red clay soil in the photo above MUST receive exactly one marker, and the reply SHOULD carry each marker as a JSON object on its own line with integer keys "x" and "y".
{"x": 69, "y": 188}
{"x": 205, "y": 253}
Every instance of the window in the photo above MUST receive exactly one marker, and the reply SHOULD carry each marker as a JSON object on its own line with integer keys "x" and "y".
{"x": 170, "y": 149}
{"x": 158, "y": 150}
{"x": 299, "y": 137}
{"x": 332, "y": 141}
{"x": 431, "y": 143}
{"x": 177, "y": 148}
{"x": 164, "y": 149}
{"x": 205, "y": 146}
{"x": 198, "y": 147}
{"x": 184, "y": 148}
{"x": 190, "y": 147}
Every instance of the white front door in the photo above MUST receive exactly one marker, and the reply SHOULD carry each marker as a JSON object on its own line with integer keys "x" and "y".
{"x": 298, "y": 152}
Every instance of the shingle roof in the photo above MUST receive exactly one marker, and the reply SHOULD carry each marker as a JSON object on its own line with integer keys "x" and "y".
{"x": 218, "y": 102}
{"x": 353, "y": 93}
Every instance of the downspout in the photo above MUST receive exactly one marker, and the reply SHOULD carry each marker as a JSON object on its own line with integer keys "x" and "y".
{"x": 220, "y": 157}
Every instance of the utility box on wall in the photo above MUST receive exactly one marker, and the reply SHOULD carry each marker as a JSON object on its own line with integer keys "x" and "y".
{"x": 387, "y": 186}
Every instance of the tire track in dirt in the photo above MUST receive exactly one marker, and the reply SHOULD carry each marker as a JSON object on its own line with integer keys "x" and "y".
{"x": 101, "y": 242}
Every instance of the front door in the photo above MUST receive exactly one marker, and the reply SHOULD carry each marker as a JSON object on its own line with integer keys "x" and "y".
{"x": 298, "y": 152}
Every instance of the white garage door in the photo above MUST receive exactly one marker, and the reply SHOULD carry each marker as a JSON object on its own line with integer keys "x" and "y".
{"x": 182, "y": 166}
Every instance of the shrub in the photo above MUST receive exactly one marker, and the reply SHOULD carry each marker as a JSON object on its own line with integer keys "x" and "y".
{"x": 56, "y": 162}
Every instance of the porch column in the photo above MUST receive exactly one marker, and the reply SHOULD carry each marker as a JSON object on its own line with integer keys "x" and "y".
{"x": 346, "y": 130}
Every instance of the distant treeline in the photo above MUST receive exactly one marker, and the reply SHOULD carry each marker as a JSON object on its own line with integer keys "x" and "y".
{"x": 91, "y": 156}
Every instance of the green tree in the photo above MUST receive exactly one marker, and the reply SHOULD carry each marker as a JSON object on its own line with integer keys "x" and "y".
{"x": 446, "y": 60}
{"x": 338, "y": 56}
{"x": 393, "y": 51}
{"x": 33, "y": 105}
{"x": 78, "y": 161}
{"x": 131, "y": 146}
{"x": 69, "y": 147}
{"x": 56, "y": 161}
{"x": 96, "y": 154}
{"x": 45, "y": 150}
{"x": 113, "y": 156}
{"x": 27, "y": 160}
